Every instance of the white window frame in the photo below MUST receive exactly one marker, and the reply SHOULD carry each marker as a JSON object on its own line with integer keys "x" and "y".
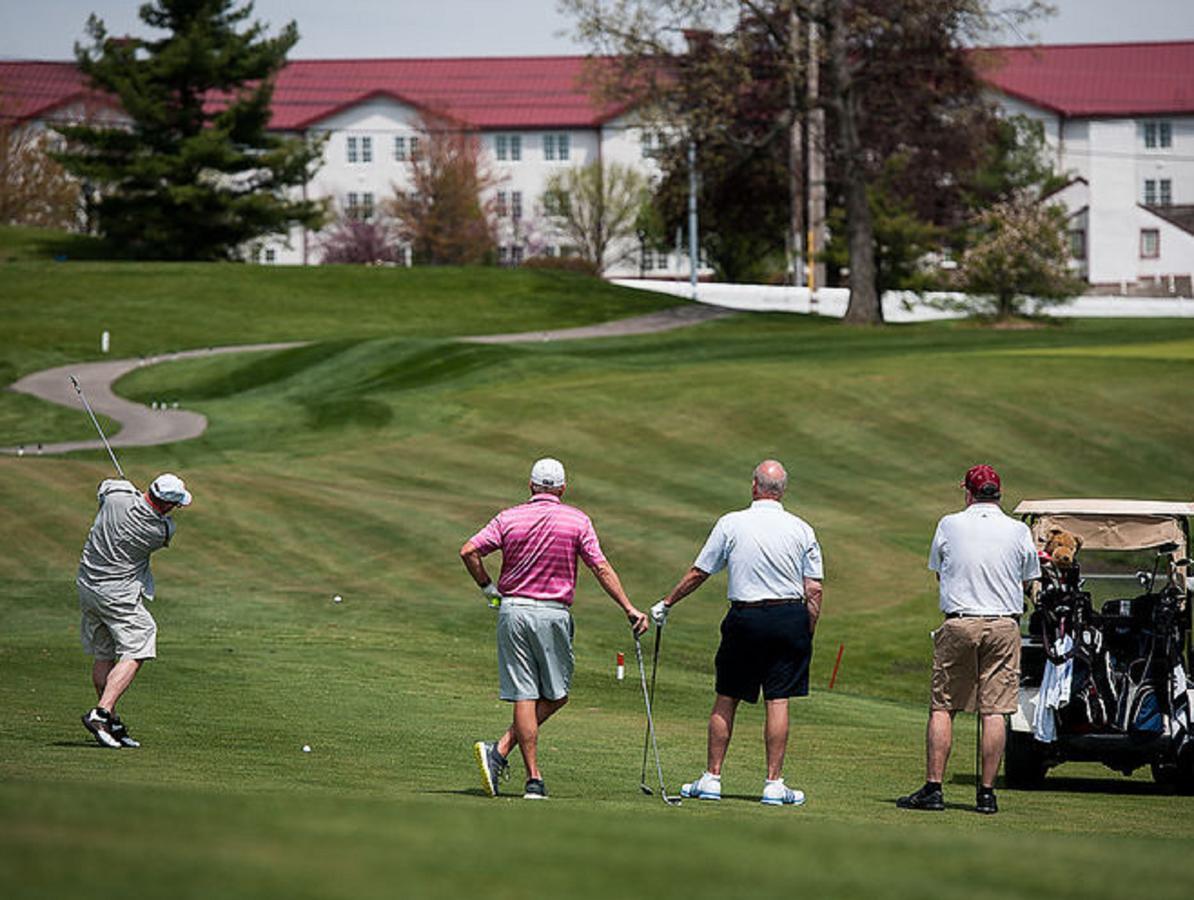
{"x": 501, "y": 206}
{"x": 366, "y": 206}
{"x": 352, "y": 204}
{"x": 549, "y": 147}
{"x": 1165, "y": 191}
{"x": 1150, "y": 236}
{"x": 366, "y": 149}
{"x": 1150, "y": 192}
{"x": 414, "y": 147}
{"x": 271, "y": 255}
{"x": 400, "y": 148}
{"x": 516, "y": 205}
{"x": 501, "y": 146}
{"x": 351, "y": 152}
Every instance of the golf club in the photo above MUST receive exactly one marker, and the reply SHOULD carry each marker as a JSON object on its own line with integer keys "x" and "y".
{"x": 646, "y": 731}
{"x": 638, "y": 652}
{"x": 95, "y": 421}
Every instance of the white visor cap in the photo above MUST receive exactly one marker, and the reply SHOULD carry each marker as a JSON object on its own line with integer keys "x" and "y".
{"x": 548, "y": 472}
{"x": 170, "y": 488}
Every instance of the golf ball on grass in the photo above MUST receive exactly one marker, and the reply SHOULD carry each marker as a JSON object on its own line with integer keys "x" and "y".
{"x": 337, "y": 599}
{"x": 306, "y": 748}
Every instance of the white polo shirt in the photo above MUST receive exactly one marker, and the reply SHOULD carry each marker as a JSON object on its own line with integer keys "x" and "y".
{"x": 769, "y": 553}
{"x": 983, "y": 557}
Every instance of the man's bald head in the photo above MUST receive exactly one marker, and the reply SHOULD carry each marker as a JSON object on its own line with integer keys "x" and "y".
{"x": 770, "y": 480}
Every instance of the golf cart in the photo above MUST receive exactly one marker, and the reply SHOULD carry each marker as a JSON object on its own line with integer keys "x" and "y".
{"x": 1107, "y": 644}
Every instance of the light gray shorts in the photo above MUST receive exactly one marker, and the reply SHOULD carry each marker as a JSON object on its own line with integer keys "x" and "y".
{"x": 116, "y": 629}
{"x": 534, "y": 641}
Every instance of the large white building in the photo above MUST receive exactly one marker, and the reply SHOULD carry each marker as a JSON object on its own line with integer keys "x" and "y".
{"x": 1119, "y": 117}
{"x": 1120, "y": 120}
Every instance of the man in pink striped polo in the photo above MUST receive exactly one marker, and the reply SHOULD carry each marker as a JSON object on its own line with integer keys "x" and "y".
{"x": 540, "y": 541}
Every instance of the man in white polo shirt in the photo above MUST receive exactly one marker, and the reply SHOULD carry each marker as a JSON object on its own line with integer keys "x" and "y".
{"x": 984, "y": 561}
{"x": 775, "y": 576}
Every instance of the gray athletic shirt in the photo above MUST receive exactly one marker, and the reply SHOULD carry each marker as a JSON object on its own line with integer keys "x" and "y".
{"x": 126, "y": 531}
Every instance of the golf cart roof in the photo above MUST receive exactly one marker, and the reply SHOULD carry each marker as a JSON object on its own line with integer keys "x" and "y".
{"x": 1111, "y": 524}
{"x": 1087, "y": 507}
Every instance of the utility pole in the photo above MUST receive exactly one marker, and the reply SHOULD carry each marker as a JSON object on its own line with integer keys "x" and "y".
{"x": 693, "y": 243}
{"x": 816, "y": 168}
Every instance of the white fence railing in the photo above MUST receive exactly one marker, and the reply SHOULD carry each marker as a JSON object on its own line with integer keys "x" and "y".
{"x": 898, "y": 306}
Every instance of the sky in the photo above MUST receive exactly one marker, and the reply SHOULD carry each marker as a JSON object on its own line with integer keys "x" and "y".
{"x": 48, "y": 29}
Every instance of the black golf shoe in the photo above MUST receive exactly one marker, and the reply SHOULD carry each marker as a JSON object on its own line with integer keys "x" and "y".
{"x": 927, "y": 798}
{"x": 118, "y": 730}
{"x": 984, "y": 802}
{"x": 98, "y": 721}
{"x": 535, "y": 790}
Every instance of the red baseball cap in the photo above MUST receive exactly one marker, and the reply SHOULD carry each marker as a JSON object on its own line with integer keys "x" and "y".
{"x": 982, "y": 481}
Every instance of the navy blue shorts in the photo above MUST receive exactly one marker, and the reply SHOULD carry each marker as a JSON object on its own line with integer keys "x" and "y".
{"x": 766, "y": 647}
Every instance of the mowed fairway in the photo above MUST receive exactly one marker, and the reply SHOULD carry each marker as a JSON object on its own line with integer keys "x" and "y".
{"x": 358, "y": 465}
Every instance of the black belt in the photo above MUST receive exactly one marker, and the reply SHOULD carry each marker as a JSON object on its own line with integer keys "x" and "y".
{"x": 957, "y": 615}
{"x": 740, "y": 604}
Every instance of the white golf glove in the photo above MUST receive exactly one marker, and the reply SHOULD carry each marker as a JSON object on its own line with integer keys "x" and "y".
{"x": 491, "y": 594}
{"x": 659, "y": 614}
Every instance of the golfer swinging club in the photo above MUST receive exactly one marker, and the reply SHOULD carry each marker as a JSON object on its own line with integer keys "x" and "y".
{"x": 114, "y": 580}
{"x": 775, "y": 576}
{"x": 540, "y": 541}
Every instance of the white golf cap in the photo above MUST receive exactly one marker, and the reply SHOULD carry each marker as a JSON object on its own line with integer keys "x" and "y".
{"x": 171, "y": 489}
{"x": 548, "y": 472}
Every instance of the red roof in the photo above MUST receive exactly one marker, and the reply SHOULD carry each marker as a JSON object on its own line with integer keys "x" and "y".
{"x": 1096, "y": 79}
{"x": 552, "y": 91}
{"x": 508, "y": 92}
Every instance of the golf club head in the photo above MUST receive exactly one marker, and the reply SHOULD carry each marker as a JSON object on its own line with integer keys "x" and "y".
{"x": 646, "y": 790}
{"x": 672, "y": 801}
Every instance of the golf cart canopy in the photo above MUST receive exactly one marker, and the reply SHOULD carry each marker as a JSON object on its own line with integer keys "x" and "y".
{"x": 1111, "y": 524}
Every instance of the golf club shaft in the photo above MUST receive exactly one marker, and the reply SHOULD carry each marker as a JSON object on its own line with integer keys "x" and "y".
{"x": 638, "y": 650}
{"x": 647, "y": 731}
{"x": 95, "y": 422}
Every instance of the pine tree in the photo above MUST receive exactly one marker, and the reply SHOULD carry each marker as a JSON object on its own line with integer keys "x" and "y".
{"x": 193, "y": 174}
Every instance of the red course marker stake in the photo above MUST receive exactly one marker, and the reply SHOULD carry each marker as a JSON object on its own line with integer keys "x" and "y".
{"x": 621, "y": 669}
{"x": 833, "y": 677}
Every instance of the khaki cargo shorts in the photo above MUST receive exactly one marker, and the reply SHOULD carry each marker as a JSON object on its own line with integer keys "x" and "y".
{"x": 976, "y": 665}
{"x": 116, "y": 629}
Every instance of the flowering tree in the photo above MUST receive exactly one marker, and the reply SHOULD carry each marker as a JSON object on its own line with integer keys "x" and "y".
{"x": 1020, "y": 253}
{"x": 34, "y": 188}
{"x": 353, "y": 240}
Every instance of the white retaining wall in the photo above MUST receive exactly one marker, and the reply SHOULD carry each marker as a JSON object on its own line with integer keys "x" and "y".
{"x": 898, "y": 306}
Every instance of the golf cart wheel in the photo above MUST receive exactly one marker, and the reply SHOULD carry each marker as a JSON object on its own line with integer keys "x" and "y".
{"x": 1165, "y": 774}
{"x": 1024, "y": 765}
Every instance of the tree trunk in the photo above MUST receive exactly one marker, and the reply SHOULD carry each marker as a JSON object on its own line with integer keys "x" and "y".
{"x": 864, "y": 305}
{"x": 795, "y": 239}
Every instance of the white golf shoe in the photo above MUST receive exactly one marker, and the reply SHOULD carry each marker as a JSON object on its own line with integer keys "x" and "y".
{"x": 707, "y": 787}
{"x": 776, "y": 793}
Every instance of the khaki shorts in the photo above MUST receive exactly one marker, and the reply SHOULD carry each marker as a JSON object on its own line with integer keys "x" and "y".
{"x": 116, "y": 629}
{"x": 976, "y": 665}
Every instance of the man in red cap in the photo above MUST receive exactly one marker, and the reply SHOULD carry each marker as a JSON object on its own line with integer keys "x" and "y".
{"x": 984, "y": 561}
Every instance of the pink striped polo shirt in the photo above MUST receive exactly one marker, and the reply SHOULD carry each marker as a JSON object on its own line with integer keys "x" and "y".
{"x": 540, "y": 541}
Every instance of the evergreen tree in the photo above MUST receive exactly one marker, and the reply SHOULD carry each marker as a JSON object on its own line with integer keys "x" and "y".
{"x": 194, "y": 174}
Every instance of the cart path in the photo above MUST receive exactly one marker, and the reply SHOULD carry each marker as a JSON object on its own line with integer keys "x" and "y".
{"x": 651, "y": 323}
{"x": 141, "y": 426}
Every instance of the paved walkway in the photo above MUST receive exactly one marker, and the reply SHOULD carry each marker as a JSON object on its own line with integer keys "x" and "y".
{"x": 141, "y": 426}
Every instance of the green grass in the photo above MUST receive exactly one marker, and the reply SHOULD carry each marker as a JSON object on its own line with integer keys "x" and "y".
{"x": 358, "y": 466}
